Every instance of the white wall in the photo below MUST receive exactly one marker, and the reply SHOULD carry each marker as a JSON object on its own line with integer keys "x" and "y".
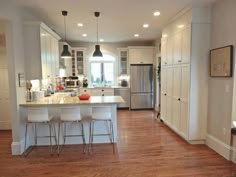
{"x": 5, "y": 119}
{"x": 222, "y": 91}
{"x": 14, "y": 16}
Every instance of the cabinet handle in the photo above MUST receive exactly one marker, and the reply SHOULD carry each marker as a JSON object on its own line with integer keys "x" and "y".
{"x": 165, "y": 62}
{"x": 103, "y": 90}
{"x": 179, "y": 61}
{"x": 85, "y": 90}
{"x": 165, "y": 94}
{"x": 102, "y": 94}
{"x": 178, "y": 99}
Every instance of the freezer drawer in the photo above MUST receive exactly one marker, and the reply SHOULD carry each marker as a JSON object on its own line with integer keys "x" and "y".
{"x": 125, "y": 94}
{"x": 142, "y": 101}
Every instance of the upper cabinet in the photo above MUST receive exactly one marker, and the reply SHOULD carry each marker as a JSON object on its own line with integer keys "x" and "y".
{"x": 123, "y": 61}
{"x": 78, "y": 61}
{"x": 141, "y": 55}
{"x": 41, "y": 51}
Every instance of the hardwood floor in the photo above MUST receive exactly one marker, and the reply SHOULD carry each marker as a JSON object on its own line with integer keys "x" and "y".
{"x": 145, "y": 148}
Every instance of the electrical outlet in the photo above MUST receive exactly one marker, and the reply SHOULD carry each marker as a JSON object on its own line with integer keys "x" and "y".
{"x": 224, "y": 131}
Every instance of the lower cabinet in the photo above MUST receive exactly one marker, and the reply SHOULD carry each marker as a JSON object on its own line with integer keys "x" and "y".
{"x": 175, "y": 99}
{"x": 97, "y": 91}
{"x": 125, "y": 94}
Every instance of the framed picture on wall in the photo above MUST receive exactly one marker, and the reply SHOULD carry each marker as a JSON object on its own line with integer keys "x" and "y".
{"x": 221, "y": 62}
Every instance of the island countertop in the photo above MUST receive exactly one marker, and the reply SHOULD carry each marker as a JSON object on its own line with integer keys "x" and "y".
{"x": 56, "y": 100}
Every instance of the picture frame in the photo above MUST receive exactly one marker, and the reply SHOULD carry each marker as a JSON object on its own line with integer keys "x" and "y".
{"x": 221, "y": 62}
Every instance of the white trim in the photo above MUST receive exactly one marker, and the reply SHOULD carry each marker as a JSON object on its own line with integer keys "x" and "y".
{"x": 5, "y": 125}
{"x": 220, "y": 147}
{"x": 17, "y": 148}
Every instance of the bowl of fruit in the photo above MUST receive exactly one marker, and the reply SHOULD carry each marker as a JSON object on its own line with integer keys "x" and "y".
{"x": 84, "y": 96}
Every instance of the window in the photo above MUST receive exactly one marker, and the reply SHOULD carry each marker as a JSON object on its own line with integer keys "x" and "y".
{"x": 102, "y": 71}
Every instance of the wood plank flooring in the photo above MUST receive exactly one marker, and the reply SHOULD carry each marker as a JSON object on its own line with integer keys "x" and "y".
{"x": 145, "y": 148}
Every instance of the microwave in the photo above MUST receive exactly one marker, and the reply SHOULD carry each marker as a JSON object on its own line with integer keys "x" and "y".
{"x": 72, "y": 83}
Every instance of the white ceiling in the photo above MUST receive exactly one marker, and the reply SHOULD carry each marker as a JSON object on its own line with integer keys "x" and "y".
{"x": 119, "y": 20}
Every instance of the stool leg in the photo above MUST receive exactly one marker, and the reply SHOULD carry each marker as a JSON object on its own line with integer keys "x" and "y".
{"x": 55, "y": 136}
{"x": 26, "y": 129}
{"x": 92, "y": 132}
{"x": 58, "y": 141}
{"x": 50, "y": 137}
{"x": 64, "y": 133}
{"x": 35, "y": 134}
{"x": 113, "y": 138}
{"x": 82, "y": 126}
{"x": 108, "y": 129}
{"x": 90, "y": 136}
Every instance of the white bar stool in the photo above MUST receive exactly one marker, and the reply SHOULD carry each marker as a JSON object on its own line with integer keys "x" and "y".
{"x": 39, "y": 116}
{"x": 101, "y": 113}
{"x": 70, "y": 115}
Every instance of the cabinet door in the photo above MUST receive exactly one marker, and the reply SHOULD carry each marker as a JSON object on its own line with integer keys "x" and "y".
{"x": 169, "y": 53}
{"x": 43, "y": 34}
{"x": 184, "y": 122}
{"x": 177, "y": 46}
{"x": 55, "y": 57}
{"x": 123, "y": 61}
{"x": 169, "y": 110}
{"x": 163, "y": 106}
{"x": 141, "y": 55}
{"x": 163, "y": 80}
{"x": 169, "y": 81}
{"x": 186, "y": 45}
{"x": 49, "y": 55}
{"x": 164, "y": 51}
{"x": 176, "y": 97}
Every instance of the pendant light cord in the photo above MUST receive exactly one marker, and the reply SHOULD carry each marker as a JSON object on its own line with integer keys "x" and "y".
{"x": 97, "y": 30}
{"x": 65, "y": 27}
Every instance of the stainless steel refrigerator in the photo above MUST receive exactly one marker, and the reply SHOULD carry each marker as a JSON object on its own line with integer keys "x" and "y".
{"x": 141, "y": 84}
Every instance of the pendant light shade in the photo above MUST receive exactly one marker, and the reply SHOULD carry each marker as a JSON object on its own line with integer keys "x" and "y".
{"x": 65, "y": 52}
{"x": 97, "y": 52}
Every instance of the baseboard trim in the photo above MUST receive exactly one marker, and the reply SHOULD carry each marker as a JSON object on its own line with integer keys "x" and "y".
{"x": 17, "y": 148}
{"x": 220, "y": 147}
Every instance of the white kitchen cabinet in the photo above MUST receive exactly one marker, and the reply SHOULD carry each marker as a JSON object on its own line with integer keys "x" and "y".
{"x": 41, "y": 51}
{"x": 102, "y": 92}
{"x": 78, "y": 61}
{"x": 177, "y": 47}
{"x": 186, "y": 45}
{"x": 185, "y": 108}
{"x": 141, "y": 55}
{"x": 164, "y": 51}
{"x": 84, "y": 90}
{"x": 123, "y": 61}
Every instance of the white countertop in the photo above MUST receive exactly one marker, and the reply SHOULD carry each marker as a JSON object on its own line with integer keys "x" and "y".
{"x": 55, "y": 100}
{"x": 110, "y": 87}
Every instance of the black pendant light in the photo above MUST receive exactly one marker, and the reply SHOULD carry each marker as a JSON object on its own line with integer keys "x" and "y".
{"x": 97, "y": 52}
{"x": 65, "y": 52}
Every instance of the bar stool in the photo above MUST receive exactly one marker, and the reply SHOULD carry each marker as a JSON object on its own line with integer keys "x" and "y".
{"x": 101, "y": 113}
{"x": 39, "y": 116}
{"x": 70, "y": 115}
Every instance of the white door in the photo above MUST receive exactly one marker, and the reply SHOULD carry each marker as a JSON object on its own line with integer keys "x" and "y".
{"x": 163, "y": 93}
{"x": 176, "y": 97}
{"x": 186, "y": 45}
{"x": 185, "y": 85}
{"x": 177, "y": 46}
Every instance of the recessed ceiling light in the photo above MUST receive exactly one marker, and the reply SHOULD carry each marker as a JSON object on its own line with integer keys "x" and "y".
{"x": 101, "y": 40}
{"x": 180, "y": 26}
{"x": 145, "y": 25}
{"x": 80, "y": 24}
{"x": 84, "y": 35}
{"x": 136, "y": 35}
{"x": 157, "y": 13}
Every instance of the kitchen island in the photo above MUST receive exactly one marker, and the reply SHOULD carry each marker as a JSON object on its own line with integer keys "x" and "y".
{"x": 53, "y": 103}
